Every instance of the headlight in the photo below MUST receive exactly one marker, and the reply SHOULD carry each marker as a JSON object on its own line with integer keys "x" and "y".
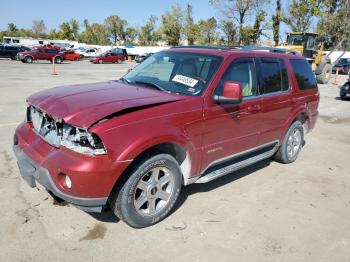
{"x": 82, "y": 141}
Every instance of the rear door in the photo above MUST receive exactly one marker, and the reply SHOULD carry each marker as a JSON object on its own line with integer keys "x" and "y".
{"x": 232, "y": 128}
{"x": 276, "y": 98}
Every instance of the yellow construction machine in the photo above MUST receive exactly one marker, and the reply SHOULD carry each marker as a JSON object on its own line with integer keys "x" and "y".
{"x": 311, "y": 46}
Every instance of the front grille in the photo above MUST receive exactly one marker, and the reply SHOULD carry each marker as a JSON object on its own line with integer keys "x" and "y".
{"x": 44, "y": 125}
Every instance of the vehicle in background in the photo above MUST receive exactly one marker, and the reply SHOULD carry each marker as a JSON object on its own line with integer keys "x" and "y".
{"x": 185, "y": 115}
{"x": 89, "y": 52}
{"x": 141, "y": 58}
{"x": 345, "y": 90}
{"x": 58, "y": 48}
{"x": 343, "y": 66}
{"x": 119, "y": 51}
{"x": 108, "y": 57}
{"x": 71, "y": 55}
{"x": 42, "y": 54}
{"x": 11, "y": 51}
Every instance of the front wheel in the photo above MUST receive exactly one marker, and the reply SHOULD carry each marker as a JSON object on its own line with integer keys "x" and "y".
{"x": 292, "y": 144}
{"x": 150, "y": 192}
{"x": 28, "y": 59}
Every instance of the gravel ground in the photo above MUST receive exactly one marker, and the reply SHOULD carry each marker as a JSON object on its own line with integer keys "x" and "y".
{"x": 267, "y": 212}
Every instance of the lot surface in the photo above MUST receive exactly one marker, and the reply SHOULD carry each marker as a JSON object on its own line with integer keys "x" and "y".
{"x": 268, "y": 212}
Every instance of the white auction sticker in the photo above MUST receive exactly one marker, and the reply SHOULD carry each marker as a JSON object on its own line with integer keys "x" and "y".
{"x": 185, "y": 80}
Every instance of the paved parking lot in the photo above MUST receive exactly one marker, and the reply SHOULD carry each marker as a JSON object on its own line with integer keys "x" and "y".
{"x": 268, "y": 212}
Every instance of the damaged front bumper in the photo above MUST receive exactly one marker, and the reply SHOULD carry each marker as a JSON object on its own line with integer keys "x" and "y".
{"x": 33, "y": 173}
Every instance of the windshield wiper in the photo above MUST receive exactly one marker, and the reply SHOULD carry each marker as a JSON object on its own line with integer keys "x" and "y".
{"x": 124, "y": 80}
{"x": 150, "y": 85}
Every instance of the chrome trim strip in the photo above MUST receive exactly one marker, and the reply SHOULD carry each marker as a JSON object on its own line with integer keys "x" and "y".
{"x": 240, "y": 153}
{"x": 234, "y": 167}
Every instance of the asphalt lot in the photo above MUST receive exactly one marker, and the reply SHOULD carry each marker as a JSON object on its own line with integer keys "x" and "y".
{"x": 267, "y": 212}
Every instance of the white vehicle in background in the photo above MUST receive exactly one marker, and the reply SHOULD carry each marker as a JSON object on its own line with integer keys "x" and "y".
{"x": 88, "y": 52}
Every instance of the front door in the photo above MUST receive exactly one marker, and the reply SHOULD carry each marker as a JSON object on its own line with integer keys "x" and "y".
{"x": 232, "y": 128}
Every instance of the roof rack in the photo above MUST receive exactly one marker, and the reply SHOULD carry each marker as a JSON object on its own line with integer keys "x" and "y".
{"x": 268, "y": 49}
{"x": 217, "y": 47}
{"x": 244, "y": 48}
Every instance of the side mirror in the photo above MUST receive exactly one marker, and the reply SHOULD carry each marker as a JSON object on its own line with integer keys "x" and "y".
{"x": 232, "y": 93}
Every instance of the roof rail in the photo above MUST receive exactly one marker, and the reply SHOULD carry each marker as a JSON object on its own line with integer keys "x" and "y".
{"x": 268, "y": 49}
{"x": 218, "y": 47}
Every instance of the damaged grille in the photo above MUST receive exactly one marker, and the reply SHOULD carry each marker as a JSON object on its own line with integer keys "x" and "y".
{"x": 44, "y": 125}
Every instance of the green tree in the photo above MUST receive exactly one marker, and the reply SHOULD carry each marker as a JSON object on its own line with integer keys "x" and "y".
{"x": 229, "y": 30}
{"x": 38, "y": 28}
{"x": 300, "y": 14}
{"x": 238, "y": 11}
{"x": 191, "y": 29}
{"x": 276, "y": 21}
{"x": 147, "y": 34}
{"x": 172, "y": 25}
{"x": 12, "y": 29}
{"x": 335, "y": 21}
{"x": 115, "y": 28}
{"x": 130, "y": 35}
{"x": 207, "y": 29}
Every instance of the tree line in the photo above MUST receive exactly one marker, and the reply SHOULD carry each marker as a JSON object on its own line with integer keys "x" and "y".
{"x": 238, "y": 22}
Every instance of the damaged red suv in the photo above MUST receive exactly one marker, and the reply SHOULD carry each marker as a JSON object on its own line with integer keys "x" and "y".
{"x": 184, "y": 115}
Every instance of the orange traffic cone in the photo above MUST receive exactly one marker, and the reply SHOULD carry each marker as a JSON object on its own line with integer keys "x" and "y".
{"x": 53, "y": 67}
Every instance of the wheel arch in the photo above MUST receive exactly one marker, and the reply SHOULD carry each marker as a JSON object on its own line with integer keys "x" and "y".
{"x": 175, "y": 149}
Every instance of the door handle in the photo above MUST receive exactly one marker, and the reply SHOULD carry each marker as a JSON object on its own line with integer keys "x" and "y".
{"x": 254, "y": 108}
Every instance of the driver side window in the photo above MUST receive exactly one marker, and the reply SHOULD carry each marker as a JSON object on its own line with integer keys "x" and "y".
{"x": 241, "y": 71}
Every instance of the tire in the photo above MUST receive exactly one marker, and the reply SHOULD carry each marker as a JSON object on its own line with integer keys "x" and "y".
{"x": 119, "y": 61}
{"x": 58, "y": 60}
{"x": 325, "y": 75}
{"x": 28, "y": 59}
{"x": 100, "y": 61}
{"x": 13, "y": 58}
{"x": 144, "y": 199}
{"x": 292, "y": 144}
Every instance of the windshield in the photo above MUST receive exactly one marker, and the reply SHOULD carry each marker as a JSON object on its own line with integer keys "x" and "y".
{"x": 175, "y": 72}
{"x": 344, "y": 61}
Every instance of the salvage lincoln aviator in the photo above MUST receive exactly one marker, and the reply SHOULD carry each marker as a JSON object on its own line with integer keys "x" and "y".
{"x": 184, "y": 115}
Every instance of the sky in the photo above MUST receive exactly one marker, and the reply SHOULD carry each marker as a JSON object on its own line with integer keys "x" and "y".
{"x": 136, "y": 12}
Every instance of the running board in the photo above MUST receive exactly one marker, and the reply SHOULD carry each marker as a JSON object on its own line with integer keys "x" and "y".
{"x": 236, "y": 166}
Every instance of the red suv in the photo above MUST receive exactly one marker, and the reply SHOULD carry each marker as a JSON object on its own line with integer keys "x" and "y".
{"x": 185, "y": 115}
{"x": 41, "y": 54}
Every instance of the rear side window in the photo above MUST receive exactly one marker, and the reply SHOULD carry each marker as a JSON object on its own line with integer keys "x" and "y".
{"x": 303, "y": 73}
{"x": 274, "y": 76}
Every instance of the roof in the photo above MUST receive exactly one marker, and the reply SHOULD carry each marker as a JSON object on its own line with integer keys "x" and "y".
{"x": 226, "y": 50}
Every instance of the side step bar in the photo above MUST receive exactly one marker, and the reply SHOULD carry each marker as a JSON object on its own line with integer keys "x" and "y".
{"x": 236, "y": 166}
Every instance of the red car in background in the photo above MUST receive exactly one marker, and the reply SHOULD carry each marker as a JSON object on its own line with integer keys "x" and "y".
{"x": 108, "y": 58}
{"x": 42, "y": 54}
{"x": 55, "y": 47}
{"x": 72, "y": 56}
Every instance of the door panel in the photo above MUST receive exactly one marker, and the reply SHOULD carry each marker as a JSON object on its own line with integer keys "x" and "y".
{"x": 276, "y": 99}
{"x": 232, "y": 128}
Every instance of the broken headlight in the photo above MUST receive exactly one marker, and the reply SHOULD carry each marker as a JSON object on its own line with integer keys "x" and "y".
{"x": 81, "y": 141}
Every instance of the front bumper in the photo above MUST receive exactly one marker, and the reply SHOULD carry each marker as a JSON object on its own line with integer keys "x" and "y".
{"x": 93, "y": 177}
{"x": 33, "y": 173}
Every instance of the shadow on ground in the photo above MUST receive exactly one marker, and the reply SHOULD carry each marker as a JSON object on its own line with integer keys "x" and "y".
{"x": 109, "y": 217}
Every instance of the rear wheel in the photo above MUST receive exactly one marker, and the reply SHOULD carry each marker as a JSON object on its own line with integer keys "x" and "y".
{"x": 119, "y": 61}
{"x": 325, "y": 75}
{"x": 150, "y": 192}
{"x": 292, "y": 144}
{"x": 58, "y": 60}
{"x": 100, "y": 61}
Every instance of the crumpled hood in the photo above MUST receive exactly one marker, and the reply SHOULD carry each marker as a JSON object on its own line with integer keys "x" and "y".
{"x": 84, "y": 105}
